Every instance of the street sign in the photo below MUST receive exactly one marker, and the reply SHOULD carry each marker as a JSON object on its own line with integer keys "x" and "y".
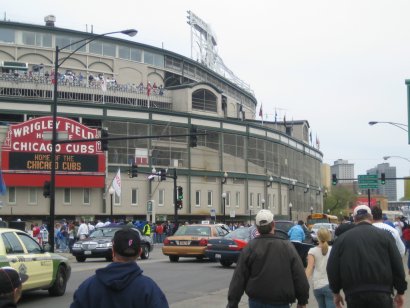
{"x": 213, "y": 213}
{"x": 368, "y": 181}
{"x": 149, "y": 206}
{"x": 232, "y": 214}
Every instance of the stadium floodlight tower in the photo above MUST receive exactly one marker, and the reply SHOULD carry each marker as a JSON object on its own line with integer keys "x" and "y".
{"x": 203, "y": 50}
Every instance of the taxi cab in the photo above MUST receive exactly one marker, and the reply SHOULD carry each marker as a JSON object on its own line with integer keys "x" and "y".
{"x": 191, "y": 240}
{"x": 46, "y": 271}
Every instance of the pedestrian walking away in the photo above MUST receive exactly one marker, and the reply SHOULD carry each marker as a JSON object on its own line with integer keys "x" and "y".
{"x": 365, "y": 263}
{"x": 269, "y": 270}
{"x": 317, "y": 262}
{"x": 121, "y": 284}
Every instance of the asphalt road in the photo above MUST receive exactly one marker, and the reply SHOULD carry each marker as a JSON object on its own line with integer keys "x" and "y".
{"x": 186, "y": 284}
{"x": 181, "y": 282}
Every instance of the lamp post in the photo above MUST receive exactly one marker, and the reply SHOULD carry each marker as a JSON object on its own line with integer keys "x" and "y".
{"x": 311, "y": 210}
{"x": 398, "y": 125}
{"x": 111, "y": 191}
{"x": 57, "y": 65}
{"x": 387, "y": 157}
{"x": 223, "y": 199}
{"x": 263, "y": 203}
{"x": 290, "y": 210}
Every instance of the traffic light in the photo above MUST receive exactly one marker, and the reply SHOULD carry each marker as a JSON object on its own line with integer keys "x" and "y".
{"x": 334, "y": 179}
{"x": 133, "y": 172}
{"x": 180, "y": 195}
{"x": 193, "y": 139}
{"x": 179, "y": 204}
{"x": 46, "y": 189}
{"x": 104, "y": 143}
{"x": 163, "y": 174}
{"x": 383, "y": 179}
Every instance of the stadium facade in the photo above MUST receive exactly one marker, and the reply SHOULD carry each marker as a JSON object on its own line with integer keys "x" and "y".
{"x": 141, "y": 90}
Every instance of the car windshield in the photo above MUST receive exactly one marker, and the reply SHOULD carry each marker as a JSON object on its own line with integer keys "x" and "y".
{"x": 283, "y": 225}
{"x": 241, "y": 233}
{"x": 318, "y": 226}
{"x": 108, "y": 232}
{"x": 193, "y": 230}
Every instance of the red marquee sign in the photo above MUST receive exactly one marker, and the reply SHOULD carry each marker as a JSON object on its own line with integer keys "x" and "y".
{"x": 26, "y": 155}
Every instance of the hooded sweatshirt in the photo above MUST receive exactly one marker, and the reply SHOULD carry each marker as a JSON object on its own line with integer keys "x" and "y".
{"x": 119, "y": 285}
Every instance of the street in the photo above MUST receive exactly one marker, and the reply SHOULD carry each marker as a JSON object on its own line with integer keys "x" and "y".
{"x": 187, "y": 283}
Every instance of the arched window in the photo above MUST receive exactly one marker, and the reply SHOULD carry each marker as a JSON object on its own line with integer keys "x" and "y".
{"x": 204, "y": 100}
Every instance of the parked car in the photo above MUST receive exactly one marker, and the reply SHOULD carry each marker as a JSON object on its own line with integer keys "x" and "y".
{"x": 45, "y": 270}
{"x": 191, "y": 240}
{"x": 99, "y": 244}
{"x": 227, "y": 249}
{"x": 285, "y": 226}
{"x": 330, "y": 226}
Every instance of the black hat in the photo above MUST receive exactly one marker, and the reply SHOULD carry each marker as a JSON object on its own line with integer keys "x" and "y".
{"x": 126, "y": 242}
{"x": 10, "y": 279}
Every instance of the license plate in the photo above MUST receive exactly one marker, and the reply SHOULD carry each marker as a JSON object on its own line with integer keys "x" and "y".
{"x": 184, "y": 243}
{"x": 87, "y": 252}
{"x": 217, "y": 256}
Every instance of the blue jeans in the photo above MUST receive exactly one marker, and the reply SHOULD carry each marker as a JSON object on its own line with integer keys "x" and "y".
{"x": 324, "y": 297}
{"x": 255, "y": 304}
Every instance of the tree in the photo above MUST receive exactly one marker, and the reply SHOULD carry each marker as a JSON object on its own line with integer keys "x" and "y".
{"x": 339, "y": 199}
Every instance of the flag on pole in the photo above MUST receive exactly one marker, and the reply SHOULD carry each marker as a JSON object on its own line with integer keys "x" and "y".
{"x": 3, "y": 188}
{"x": 116, "y": 183}
{"x": 284, "y": 120}
{"x": 310, "y": 135}
{"x": 261, "y": 112}
{"x": 317, "y": 143}
{"x": 276, "y": 116}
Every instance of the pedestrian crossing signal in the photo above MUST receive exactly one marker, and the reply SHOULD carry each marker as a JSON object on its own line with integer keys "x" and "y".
{"x": 383, "y": 179}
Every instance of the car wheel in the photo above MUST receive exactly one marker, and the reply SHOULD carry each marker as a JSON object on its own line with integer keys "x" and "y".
{"x": 173, "y": 258}
{"x": 60, "y": 283}
{"x": 145, "y": 252}
{"x": 80, "y": 259}
{"x": 226, "y": 263}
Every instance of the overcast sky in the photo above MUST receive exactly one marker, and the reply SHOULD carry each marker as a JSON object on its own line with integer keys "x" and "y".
{"x": 336, "y": 64}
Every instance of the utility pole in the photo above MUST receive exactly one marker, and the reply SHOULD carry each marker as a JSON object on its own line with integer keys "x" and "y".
{"x": 175, "y": 199}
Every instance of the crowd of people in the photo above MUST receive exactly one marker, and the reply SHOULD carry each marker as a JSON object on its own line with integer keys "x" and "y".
{"x": 93, "y": 80}
{"x": 365, "y": 262}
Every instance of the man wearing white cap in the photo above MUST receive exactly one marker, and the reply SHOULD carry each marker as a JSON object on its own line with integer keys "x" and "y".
{"x": 367, "y": 265}
{"x": 269, "y": 270}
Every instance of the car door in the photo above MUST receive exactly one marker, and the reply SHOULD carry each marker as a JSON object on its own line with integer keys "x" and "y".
{"x": 41, "y": 265}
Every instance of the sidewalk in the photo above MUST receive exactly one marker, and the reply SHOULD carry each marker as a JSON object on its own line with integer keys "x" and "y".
{"x": 217, "y": 299}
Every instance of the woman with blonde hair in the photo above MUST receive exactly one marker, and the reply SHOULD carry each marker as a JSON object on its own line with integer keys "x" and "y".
{"x": 317, "y": 261}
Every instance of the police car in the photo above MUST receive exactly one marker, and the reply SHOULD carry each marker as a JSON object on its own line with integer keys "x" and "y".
{"x": 45, "y": 271}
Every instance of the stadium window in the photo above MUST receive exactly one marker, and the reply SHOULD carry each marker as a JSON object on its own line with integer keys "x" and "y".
{"x": 205, "y": 100}
{"x": 134, "y": 196}
{"x": 32, "y": 195}
{"x": 86, "y": 196}
{"x": 12, "y": 195}
{"x": 67, "y": 196}
{"x": 7, "y": 35}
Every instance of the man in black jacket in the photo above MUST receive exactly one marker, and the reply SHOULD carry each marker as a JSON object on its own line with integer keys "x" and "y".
{"x": 269, "y": 270}
{"x": 366, "y": 264}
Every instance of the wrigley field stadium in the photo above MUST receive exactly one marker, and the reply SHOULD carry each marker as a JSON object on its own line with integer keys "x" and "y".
{"x": 183, "y": 136}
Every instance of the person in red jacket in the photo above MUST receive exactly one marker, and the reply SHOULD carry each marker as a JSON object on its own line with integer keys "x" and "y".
{"x": 406, "y": 238}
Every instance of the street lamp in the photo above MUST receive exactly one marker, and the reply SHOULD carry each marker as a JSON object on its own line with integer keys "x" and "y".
{"x": 224, "y": 198}
{"x": 224, "y": 178}
{"x": 307, "y": 188}
{"x": 387, "y": 157}
{"x": 57, "y": 65}
{"x": 263, "y": 203}
{"x": 270, "y": 180}
{"x": 290, "y": 210}
{"x": 111, "y": 191}
{"x": 311, "y": 210}
{"x": 398, "y": 125}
